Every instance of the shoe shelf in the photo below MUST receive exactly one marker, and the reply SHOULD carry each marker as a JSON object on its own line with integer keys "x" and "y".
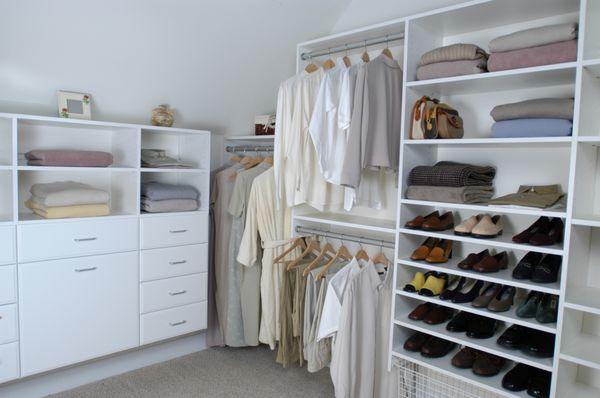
{"x": 578, "y": 351}
{"x": 509, "y": 316}
{"x": 444, "y": 366}
{"x": 486, "y": 345}
{"x": 503, "y": 241}
{"x": 503, "y": 277}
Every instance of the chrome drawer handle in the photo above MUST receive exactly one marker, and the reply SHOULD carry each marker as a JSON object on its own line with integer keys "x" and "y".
{"x": 178, "y": 231}
{"x": 178, "y": 262}
{"x": 177, "y": 323}
{"x": 178, "y": 293}
{"x": 85, "y": 239}
{"x": 86, "y": 269}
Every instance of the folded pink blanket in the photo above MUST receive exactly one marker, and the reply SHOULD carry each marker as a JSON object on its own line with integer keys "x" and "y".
{"x": 68, "y": 158}
{"x": 565, "y": 51}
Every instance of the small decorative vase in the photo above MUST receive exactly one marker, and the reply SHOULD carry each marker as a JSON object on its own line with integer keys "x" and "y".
{"x": 162, "y": 116}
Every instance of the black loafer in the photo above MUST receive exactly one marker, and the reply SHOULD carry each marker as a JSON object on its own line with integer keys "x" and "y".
{"x": 459, "y": 323}
{"x": 480, "y": 327}
{"x": 525, "y": 267}
{"x": 469, "y": 293}
{"x": 547, "y": 270}
{"x": 539, "y": 384}
{"x": 515, "y": 337}
{"x": 541, "y": 345}
{"x": 517, "y": 379}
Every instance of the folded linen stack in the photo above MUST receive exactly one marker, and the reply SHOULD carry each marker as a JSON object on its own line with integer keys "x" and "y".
{"x": 157, "y": 158}
{"x": 544, "y": 117}
{"x": 451, "y": 182}
{"x": 159, "y": 197}
{"x": 546, "y": 45}
{"x": 453, "y": 60}
{"x": 68, "y": 199}
{"x": 68, "y": 158}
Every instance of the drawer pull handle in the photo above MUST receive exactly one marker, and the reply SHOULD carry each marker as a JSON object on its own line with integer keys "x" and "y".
{"x": 85, "y": 239}
{"x": 86, "y": 269}
{"x": 178, "y": 262}
{"x": 178, "y": 231}
{"x": 178, "y": 293}
{"x": 178, "y": 323}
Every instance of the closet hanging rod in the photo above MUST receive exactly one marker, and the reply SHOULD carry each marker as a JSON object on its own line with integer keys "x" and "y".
{"x": 345, "y": 237}
{"x": 352, "y": 46}
{"x": 249, "y": 148}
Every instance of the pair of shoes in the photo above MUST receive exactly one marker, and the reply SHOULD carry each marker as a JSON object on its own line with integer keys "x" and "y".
{"x": 482, "y": 363}
{"x": 430, "y": 284}
{"x": 533, "y": 342}
{"x": 495, "y": 297}
{"x": 485, "y": 262}
{"x": 475, "y": 326}
{"x": 462, "y": 290}
{"x": 432, "y": 222}
{"x": 429, "y": 346}
{"x": 481, "y": 226}
{"x": 543, "y": 232}
{"x": 542, "y": 306}
{"x": 525, "y": 377}
{"x": 538, "y": 267}
{"x": 431, "y": 314}
{"x": 433, "y": 250}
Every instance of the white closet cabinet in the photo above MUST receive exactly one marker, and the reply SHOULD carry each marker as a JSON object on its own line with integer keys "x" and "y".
{"x": 72, "y": 290}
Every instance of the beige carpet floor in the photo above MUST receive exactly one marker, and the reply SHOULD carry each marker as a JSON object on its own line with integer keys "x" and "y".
{"x": 214, "y": 373}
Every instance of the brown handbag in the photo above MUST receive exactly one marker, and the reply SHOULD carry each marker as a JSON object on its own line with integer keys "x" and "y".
{"x": 442, "y": 121}
{"x": 420, "y": 109}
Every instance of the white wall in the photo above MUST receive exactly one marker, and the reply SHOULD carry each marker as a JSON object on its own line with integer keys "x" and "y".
{"x": 218, "y": 63}
{"x": 365, "y": 12}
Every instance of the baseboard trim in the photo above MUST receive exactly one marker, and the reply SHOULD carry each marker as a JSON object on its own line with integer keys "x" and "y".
{"x": 89, "y": 372}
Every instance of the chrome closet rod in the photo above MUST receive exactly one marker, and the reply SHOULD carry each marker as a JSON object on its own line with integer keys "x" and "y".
{"x": 345, "y": 237}
{"x": 249, "y": 148}
{"x": 352, "y": 46}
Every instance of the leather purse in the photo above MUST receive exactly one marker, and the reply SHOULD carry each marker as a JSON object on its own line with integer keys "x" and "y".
{"x": 433, "y": 119}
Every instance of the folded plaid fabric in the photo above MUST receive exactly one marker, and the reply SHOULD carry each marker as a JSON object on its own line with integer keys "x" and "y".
{"x": 472, "y": 194}
{"x": 452, "y": 174}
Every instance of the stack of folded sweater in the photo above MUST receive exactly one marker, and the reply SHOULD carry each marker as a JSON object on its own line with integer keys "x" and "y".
{"x": 546, "y": 45}
{"x": 68, "y": 158}
{"x": 67, "y": 199}
{"x": 544, "y": 117}
{"x": 159, "y": 197}
{"x": 451, "y": 182}
{"x": 454, "y": 60}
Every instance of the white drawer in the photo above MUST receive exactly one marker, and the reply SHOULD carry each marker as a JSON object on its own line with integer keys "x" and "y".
{"x": 8, "y": 324}
{"x": 174, "y": 261}
{"x": 9, "y": 362}
{"x": 7, "y": 245}
{"x": 8, "y": 284}
{"x": 173, "y": 292}
{"x": 165, "y": 324}
{"x": 72, "y": 239}
{"x": 166, "y": 231}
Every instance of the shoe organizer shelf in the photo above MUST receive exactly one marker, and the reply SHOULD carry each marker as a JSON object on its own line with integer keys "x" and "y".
{"x": 583, "y": 279}
{"x": 577, "y": 381}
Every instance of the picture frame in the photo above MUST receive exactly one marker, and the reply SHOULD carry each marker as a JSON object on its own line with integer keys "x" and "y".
{"x": 74, "y": 105}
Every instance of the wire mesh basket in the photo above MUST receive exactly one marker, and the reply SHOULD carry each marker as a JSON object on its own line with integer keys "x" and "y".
{"x": 416, "y": 381}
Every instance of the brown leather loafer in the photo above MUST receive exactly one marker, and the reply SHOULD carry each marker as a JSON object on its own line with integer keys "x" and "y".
{"x": 442, "y": 223}
{"x": 491, "y": 264}
{"x": 552, "y": 234}
{"x": 539, "y": 225}
{"x": 488, "y": 365}
{"x": 416, "y": 341}
{"x": 441, "y": 252}
{"x": 503, "y": 300}
{"x": 419, "y": 313}
{"x": 417, "y": 222}
{"x": 436, "y": 348}
{"x": 472, "y": 259}
{"x": 465, "y": 358}
{"x": 438, "y": 315}
{"x": 422, "y": 251}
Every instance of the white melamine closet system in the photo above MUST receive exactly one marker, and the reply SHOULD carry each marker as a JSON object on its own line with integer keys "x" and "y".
{"x": 72, "y": 290}
{"x": 573, "y": 162}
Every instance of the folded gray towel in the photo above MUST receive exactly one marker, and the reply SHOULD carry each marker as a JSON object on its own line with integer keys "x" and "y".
{"x": 535, "y": 37}
{"x": 547, "y": 108}
{"x": 453, "y": 52}
{"x": 68, "y": 193}
{"x": 163, "y": 191}
{"x": 472, "y": 194}
{"x": 451, "y": 68}
{"x": 169, "y": 205}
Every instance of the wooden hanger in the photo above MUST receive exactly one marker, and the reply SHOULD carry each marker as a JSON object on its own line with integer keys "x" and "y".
{"x": 298, "y": 242}
{"x": 329, "y": 63}
{"x": 386, "y": 51}
{"x": 313, "y": 247}
{"x": 381, "y": 258}
{"x": 311, "y": 67}
{"x": 362, "y": 255}
{"x": 365, "y": 56}
{"x": 325, "y": 252}
{"x": 346, "y": 59}
{"x": 269, "y": 159}
{"x": 342, "y": 253}
{"x": 254, "y": 161}
{"x": 235, "y": 159}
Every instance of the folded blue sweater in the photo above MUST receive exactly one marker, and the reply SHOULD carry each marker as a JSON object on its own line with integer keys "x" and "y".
{"x": 532, "y": 128}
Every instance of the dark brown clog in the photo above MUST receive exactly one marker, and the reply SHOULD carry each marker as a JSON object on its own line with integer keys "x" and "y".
{"x": 491, "y": 264}
{"x": 446, "y": 221}
{"x": 417, "y": 222}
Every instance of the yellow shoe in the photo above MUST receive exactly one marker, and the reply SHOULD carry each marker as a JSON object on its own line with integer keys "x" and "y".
{"x": 416, "y": 284}
{"x": 434, "y": 285}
